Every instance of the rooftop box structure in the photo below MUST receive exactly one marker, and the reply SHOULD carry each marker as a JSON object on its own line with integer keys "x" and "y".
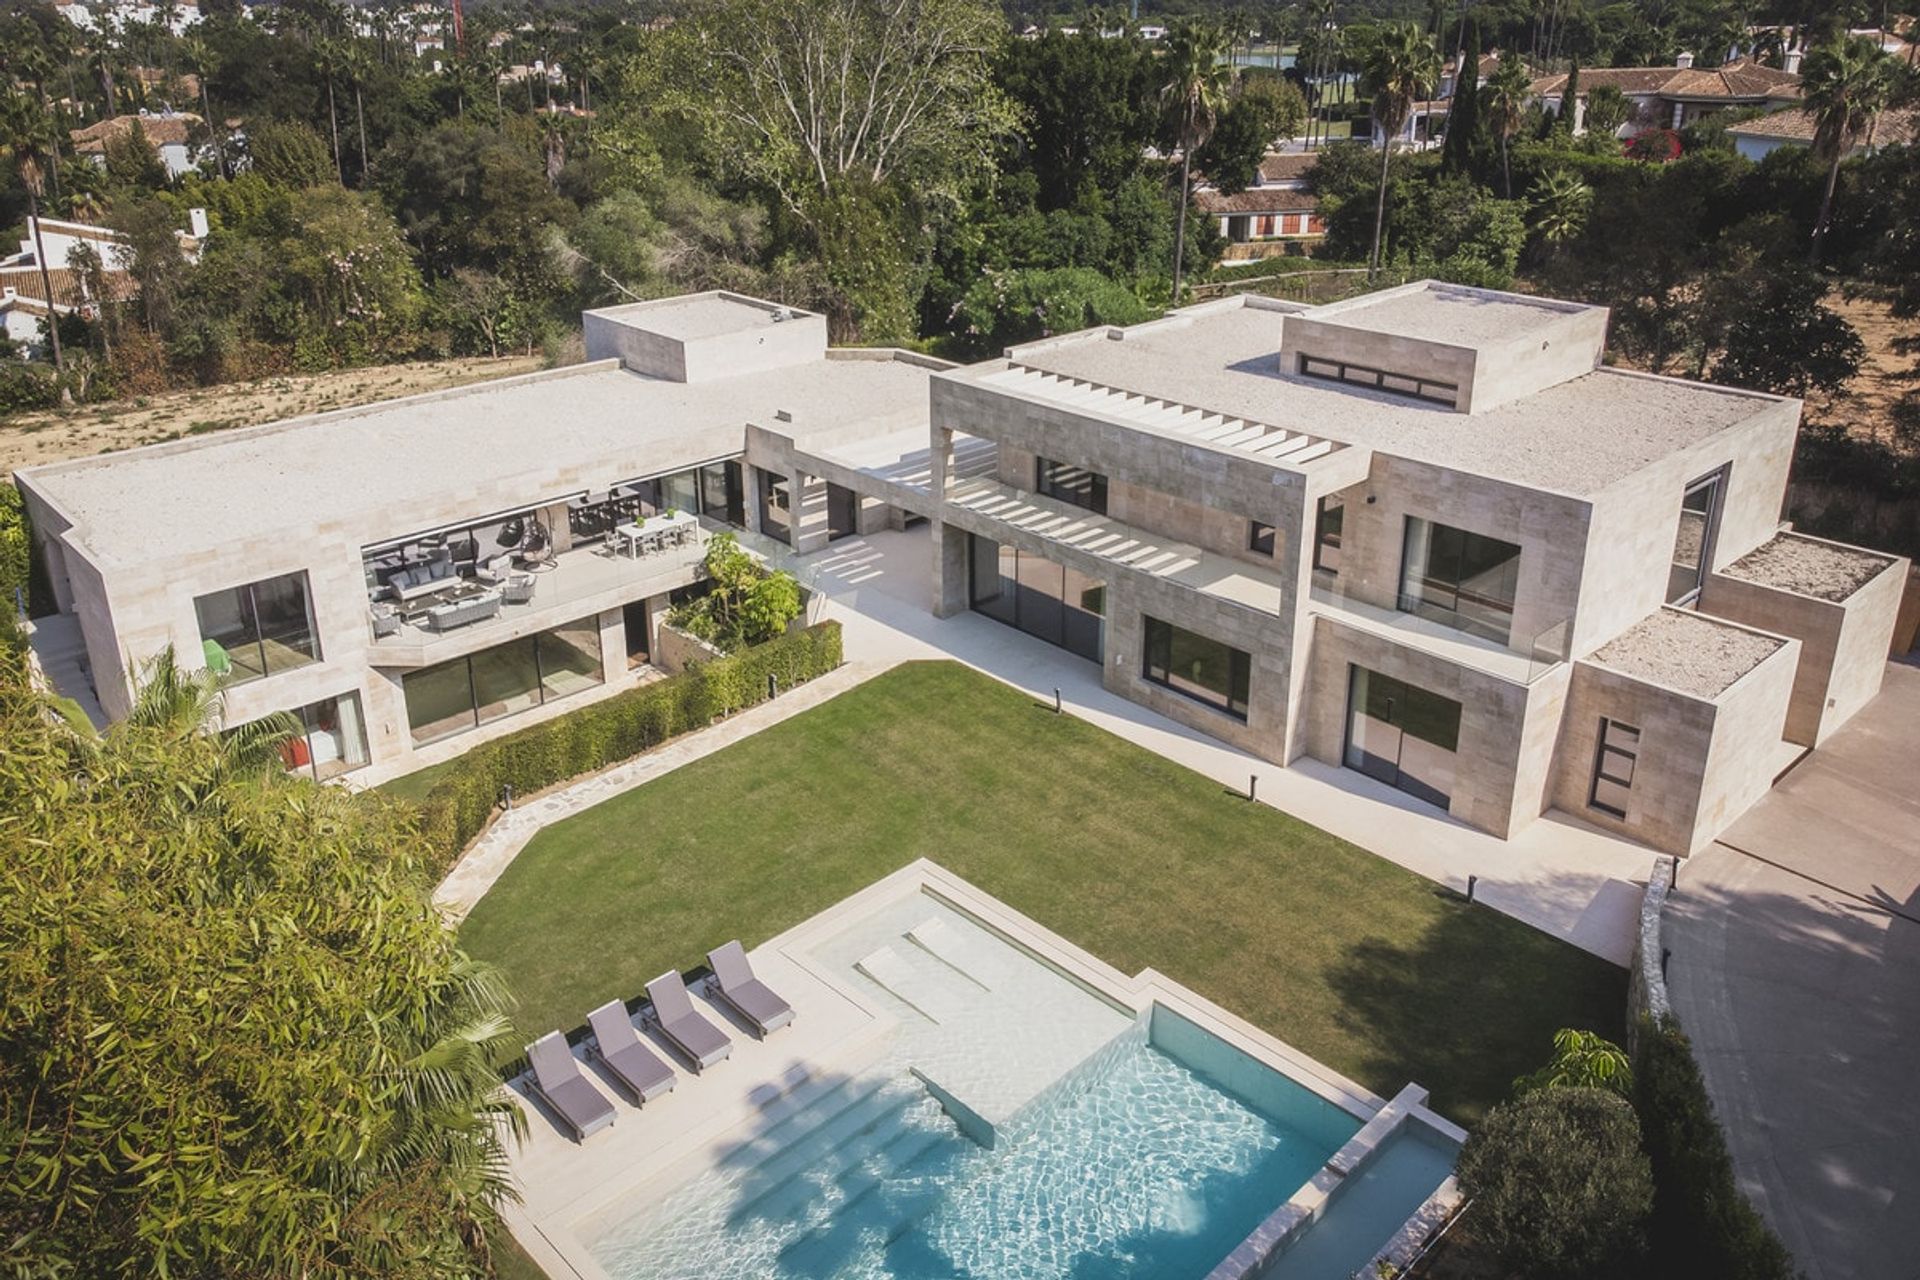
{"x": 705, "y": 336}
{"x": 1468, "y": 349}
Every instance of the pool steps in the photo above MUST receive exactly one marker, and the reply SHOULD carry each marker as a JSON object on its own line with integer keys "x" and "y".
{"x": 890, "y": 969}
{"x": 807, "y": 1153}
{"x": 938, "y": 939}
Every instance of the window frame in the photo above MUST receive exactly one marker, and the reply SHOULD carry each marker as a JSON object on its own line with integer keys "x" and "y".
{"x": 1259, "y": 532}
{"x": 1602, "y": 748}
{"x": 1716, "y": 482}
{"x": 1321, "y": 543}
{"x": 1048, "y": 485}
{"x": 1157, "y": 642}
{"x": 247, "y": 596}
{"x": 1429, "y": 390}
{"x": 1431, "y": 607}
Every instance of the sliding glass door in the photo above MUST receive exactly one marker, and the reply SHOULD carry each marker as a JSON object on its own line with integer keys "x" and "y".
{"x": 1402, "y": 735}
{"x": 1059, "y": 605}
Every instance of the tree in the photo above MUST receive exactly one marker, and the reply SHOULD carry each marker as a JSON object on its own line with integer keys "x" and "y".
{"x": 1007, "y": 307}
{"x": 238, "y": 1040}
{"x": 746, "y": 605}
{"x": 1261, "y": 109}
{"x": 27, "y": 137}
{"x": 288, "y": 153}
{"x": 1784, "y": 338}
{"x": 1463, "y": 108}
{"x": 1560, "y": 1187}
{"x": 1582, "y": 1060}
{"x": 1607, "y": 112}
{"x": 1195, "y": 85}
{"x": 1561, "y": 203}
{"x": 1401, "y": 67}
{"x": 1506, "y": 95}
{"x": 1844, "y": 85}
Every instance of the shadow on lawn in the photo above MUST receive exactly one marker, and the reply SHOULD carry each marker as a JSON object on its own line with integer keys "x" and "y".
{"x": 1469, "y": 1003}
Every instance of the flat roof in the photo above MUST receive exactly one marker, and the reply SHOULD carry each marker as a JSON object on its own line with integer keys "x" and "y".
{"x": 697, "y": 316}
{"x": 1809, "y": 566}
{"x": 1688, "y": 652}
{"x": 1575, "y": 438}
{"x": 377, "y": 464}
{"x": 1434, "y": 312}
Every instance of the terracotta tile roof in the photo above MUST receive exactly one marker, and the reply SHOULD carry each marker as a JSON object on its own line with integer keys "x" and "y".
{"x": 1287, "y": 166}
{"x": 160, "y": 131}
{"x": 1257, "y": 200}
{"x": 26, "y": 282}
{"x": 1735, "y": 81}
{"x": 1894, "y": 125}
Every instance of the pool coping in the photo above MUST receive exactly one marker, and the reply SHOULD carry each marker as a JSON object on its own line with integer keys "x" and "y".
{"x": 554, "y": 1240}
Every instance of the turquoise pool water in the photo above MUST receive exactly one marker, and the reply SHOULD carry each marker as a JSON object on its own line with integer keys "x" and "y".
{"x": 1370, "y": 1206}
{"x": 1149, "y": 1169}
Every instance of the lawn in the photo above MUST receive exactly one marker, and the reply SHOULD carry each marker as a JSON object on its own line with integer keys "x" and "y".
{"x": 1373, "y": 970}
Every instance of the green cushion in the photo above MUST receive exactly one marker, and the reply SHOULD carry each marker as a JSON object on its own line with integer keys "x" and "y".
{"x": 217, "y": 660}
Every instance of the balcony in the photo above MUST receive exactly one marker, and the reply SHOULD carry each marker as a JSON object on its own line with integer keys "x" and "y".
{"x": 1522, "y": 661}
{"x": 575, "y": 584}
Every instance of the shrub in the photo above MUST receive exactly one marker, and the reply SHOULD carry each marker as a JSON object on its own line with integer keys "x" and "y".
{"x": 619, "y": 728}
{"x": 1560, "y": 1187}
{"x": 25, "y": 387}
{"x": 1701, "y": 1224}
{"x": 745, "y": 604}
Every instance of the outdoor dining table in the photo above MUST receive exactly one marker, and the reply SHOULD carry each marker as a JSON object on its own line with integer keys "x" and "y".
{"x": 643, "y": 537}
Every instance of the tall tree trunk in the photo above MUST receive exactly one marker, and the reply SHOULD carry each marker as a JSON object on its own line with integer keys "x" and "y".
{"x": 1506, "y": 167}
{"x": 1180, "y": 224}
{"x": 333, "y": 119}
{"x": 360, "y": 110}
{"x": 1826, "y": 210}
{"x": 1380, "y": 203}
{"x": 46, "y": 282}
{"x": 214, "y": 130}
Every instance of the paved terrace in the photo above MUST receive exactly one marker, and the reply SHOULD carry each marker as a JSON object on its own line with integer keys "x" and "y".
{"x": 1575, "y": 438}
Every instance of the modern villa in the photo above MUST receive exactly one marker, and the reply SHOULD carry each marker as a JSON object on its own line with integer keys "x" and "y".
{"x": 1423, "y": 533}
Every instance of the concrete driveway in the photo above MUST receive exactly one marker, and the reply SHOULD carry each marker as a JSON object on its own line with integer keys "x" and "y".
{"x": 1796, "y": 970}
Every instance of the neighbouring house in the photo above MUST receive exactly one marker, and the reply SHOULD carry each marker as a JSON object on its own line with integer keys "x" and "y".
{"x": 1278, "y": 208}
{"x": 24, "y": 305}
{"x": 1425, "y": 535}
{"x": 89, "y": 14}
{"x": 168, "y": 132}
{"x": 1794, "y": 127}
{"x": 1677, "y": 96}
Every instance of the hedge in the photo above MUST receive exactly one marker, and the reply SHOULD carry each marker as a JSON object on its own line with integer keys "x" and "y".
{"x": 619, "y": 728}
{"x": 1702, "y": 1225}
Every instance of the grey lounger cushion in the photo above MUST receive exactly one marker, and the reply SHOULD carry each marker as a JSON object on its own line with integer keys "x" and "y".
{"x": 749, "y": 997}
{"x": 632, "y": 1063}
{"x": 702, "y": 1042}
{"x": 557, "y": 1079}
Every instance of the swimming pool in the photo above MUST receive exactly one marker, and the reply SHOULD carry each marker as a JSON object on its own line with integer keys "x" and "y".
{"x": 1018, "y": 1125}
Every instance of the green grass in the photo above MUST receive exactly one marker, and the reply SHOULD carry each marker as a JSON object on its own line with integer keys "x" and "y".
{"x": 1373, "y": 970}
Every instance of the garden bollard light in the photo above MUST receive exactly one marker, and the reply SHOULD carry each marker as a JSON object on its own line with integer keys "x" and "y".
{"x": 506, "y": 797}
{"x": 773, "y": 686}
{"x": 1473, "y": 883}
{"x": 1253, "y": 781}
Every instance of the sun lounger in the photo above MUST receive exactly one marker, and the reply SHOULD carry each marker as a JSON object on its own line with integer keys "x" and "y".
{"x": 618, "y": 1047}
{"x": 558, "y": 1083}
{"x": 702, "y": 1042}
{"x": 746, "y": 995}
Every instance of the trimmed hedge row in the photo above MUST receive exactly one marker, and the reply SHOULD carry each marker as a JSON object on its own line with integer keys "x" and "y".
{"x": 619, "y": 728}
{"x": 1702, "y": 1225}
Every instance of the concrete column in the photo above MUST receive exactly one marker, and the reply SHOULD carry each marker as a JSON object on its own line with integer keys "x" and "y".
{"x": 809, "y": 494}
{"x": 941, "y": 446}
{"x": 750, "y": 496}
{"x": 949, "y": 570}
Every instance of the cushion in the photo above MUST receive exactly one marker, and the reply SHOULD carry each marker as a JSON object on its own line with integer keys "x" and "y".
{"x": 441, "y": 569}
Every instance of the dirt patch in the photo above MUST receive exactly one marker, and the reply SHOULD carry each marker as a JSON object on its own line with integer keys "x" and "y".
{"x": 1686, "y": 652}
{"x": 1866, "y": 411}
{"x": 1808, "y": 568}
{"x": 31, "y": 439}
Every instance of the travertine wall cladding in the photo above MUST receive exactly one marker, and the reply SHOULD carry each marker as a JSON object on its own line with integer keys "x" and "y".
{"x": 1497, "y": 719}
{"x": 1701, "y": 763}
{"x": 1549, "y": 529}
{"x": 1843, "y": 644}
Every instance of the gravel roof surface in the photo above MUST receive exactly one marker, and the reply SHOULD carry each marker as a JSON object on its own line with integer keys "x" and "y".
{"x": 1439, "y": 314}
{"x": 1576, "y": 438}
{"x": 1687, "y": 652}
{"x": 1809, "y": 568}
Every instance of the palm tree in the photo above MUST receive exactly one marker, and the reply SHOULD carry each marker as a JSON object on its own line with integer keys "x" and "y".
{"x": 1505, "y": 103}
{"x": 1401, "y": 67}
{"x": 1844, "y": 86}
{"x": 180, "y": 704}
{"x": 200, "y": 57}
{"x": 356, "y": 63}
{"x": 1561, "y": 202}
{"x": 1196, "y": 85}
{"x": 26, "y": 134}
{"x": 326, "y": 61}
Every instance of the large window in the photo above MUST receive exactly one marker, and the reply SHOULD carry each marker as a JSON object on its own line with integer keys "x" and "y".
{"x": 1404, "y": 735}
{"x": 1059, "y": 605}
{"x": 1067, "y": 483}
{"x": 723, "y": 493}
{"x": 1329, "y": 523}
{"x": 1399, "y": 384}
{"x": 333, "y": 741}
{"x": 1613, "y": 765}
{"x": 259, "y": 629}
{"x": 1202, "y": 669}
{"x": 1693, "y": 542}
{"x": 502, "y": 681}
{"x": 1460, "y": 579}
